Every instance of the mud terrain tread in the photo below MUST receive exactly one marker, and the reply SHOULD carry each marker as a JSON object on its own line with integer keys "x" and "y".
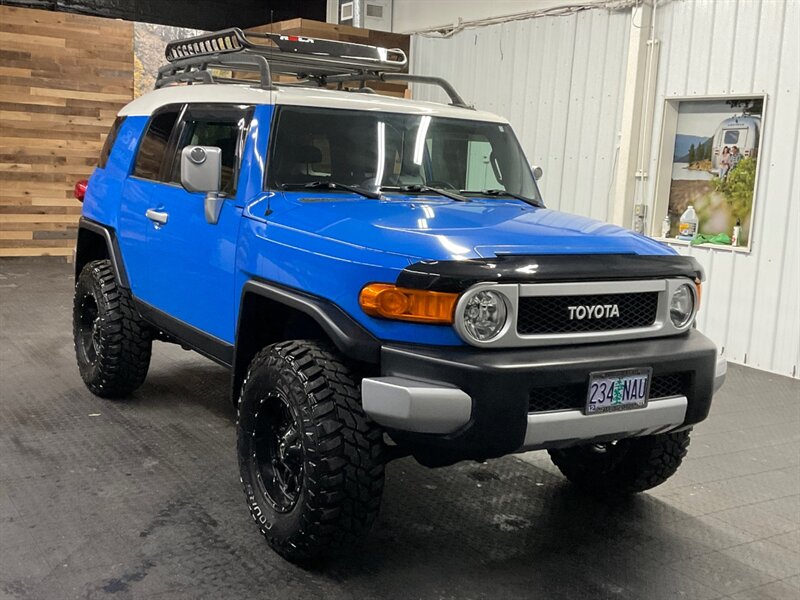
{"x": 126, "y": 340}
{"x": 646, "y": 463}
{"x": 343, "y": 451}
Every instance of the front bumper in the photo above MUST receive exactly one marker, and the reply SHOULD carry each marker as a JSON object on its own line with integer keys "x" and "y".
{"x": 451, "y": 404}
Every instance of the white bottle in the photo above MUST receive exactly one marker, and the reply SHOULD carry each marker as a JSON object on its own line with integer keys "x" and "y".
{"x": 737, "y": 233}
{"x": 666, "y": 225}
{"x": 688, "y": 224}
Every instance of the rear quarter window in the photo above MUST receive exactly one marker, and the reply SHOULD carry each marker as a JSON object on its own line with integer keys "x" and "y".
{"x": 109, "y": 143}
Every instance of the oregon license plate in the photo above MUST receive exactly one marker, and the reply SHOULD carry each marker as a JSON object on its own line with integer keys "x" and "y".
{"x": 617, "y": 390}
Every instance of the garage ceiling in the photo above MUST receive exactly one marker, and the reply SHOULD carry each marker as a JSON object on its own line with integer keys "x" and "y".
{"x": 198, "y": 14}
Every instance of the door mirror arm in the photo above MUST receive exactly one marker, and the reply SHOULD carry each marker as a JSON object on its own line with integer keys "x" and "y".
{"x": 212, "y": 206}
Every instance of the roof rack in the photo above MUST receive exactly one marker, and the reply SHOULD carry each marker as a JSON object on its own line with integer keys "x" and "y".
{"x": 312, "y": 61}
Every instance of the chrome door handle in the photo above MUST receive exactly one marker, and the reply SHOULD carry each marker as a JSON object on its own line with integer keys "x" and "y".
{"x": 156, "y": 216}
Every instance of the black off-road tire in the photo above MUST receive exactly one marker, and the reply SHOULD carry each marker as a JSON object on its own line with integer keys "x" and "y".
{"x": 338, "y": 473}
{"x": 624, "y": 467}
{"x": 112, "y": 343}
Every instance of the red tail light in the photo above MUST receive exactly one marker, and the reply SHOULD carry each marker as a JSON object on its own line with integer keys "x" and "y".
{"x": 80, "y": 189}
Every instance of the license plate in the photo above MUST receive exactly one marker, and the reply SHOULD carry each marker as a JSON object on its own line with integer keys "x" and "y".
{"x": 617, "y": 390}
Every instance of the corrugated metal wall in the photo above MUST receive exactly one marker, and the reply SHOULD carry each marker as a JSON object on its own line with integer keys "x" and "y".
{"x": 559, "y": 81}
{"x": 752, "y": 301}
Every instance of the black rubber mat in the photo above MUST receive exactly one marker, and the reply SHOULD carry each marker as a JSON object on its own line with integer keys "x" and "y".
{"x": 141, "y": 498}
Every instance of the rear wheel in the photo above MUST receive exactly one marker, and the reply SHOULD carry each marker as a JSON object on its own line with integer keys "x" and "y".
{"x": 311, "y": 462}
{"x": 112, "y": 343}
{"x": 625, "y": 466}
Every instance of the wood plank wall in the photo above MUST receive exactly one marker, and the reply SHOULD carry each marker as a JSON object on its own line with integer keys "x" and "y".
{"x": 63, "y": 77}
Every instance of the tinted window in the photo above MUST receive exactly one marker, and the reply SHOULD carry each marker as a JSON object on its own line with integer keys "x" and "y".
{"x": 153, "y": 148}
{"x": 224, "y": 127}
{"x": 731, "y": 136}
{"x": 109, "y": 143}
{"x": 377, "y": 150}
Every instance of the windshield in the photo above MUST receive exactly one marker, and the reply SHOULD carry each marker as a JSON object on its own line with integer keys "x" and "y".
{"x": 378, "y": 150}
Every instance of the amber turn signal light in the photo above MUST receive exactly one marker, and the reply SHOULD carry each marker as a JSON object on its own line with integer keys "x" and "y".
{"x": 403, "y": 304}
{"x": 699, "y": 286}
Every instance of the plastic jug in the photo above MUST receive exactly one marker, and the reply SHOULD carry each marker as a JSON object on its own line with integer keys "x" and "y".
{"x": 688, "y": 225}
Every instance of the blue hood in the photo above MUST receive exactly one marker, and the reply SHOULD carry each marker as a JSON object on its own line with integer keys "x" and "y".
{"x": 442, "y": 229}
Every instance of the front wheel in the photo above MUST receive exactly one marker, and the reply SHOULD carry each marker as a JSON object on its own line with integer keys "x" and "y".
{"x": 311, "y": 462}
{"x": 624, "y": 466}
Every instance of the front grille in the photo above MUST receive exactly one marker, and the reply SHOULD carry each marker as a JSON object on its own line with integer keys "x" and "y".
{"x": 551, "y": 314}
{"x": 571, "y": 397}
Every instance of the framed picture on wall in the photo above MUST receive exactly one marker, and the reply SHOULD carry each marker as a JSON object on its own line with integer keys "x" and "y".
{"x": 709, "y": 162}
{"x": 149, "y": 42}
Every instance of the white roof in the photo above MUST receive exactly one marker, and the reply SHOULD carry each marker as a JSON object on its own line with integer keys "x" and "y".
{"x": 296, "y": 96}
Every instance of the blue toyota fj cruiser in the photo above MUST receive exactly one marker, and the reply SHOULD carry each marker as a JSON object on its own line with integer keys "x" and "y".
{"x": 382, "y": 278}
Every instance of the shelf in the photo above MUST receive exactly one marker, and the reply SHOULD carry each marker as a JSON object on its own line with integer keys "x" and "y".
{"x": 719, "y": 247}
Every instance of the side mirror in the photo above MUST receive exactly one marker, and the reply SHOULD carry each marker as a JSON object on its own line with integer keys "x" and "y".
{"x": 537, "y": 172}
{"x": 201, "y": 171}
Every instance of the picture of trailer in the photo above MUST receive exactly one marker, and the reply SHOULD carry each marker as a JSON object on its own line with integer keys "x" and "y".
{"x": 742, "y": 131}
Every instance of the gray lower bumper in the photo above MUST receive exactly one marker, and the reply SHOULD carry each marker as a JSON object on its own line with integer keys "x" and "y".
{"x": 720, "y": 372}
{"x": 571, "y": 427}
{"x": 417, "y": 406}
{"x": 427, "y": 407}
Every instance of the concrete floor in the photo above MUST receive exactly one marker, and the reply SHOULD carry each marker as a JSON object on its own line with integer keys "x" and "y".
{"x": 141, "y": 498}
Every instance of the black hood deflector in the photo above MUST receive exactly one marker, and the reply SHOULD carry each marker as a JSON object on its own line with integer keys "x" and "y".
{"x": 458, "y": 275}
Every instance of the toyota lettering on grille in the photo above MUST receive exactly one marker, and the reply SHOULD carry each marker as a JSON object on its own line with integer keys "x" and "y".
{"x": 596, "y": 311}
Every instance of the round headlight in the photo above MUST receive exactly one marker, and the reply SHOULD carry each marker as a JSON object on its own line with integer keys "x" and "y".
{"x": 681, "y": 306}
{"x": 484, "y": 315}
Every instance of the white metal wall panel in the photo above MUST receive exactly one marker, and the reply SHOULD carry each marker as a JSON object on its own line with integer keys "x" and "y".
{"x": 559, "y": 81}
{"x": 708, "y": 48}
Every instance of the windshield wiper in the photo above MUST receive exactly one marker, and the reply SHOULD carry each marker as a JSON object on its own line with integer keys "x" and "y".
{"x": 505, "y": 193}
{"x": 331, "y": 185}
{"x": 421, "y": 189}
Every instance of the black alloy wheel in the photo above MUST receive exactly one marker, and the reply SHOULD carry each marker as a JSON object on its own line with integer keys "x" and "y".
{"x": 278, "y": 453}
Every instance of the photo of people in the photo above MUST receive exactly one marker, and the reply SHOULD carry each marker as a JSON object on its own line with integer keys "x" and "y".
{"x": 714, "y": 167}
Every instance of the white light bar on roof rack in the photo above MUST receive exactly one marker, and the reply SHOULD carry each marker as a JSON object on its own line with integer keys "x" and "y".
{"x": 222, "y": 41}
